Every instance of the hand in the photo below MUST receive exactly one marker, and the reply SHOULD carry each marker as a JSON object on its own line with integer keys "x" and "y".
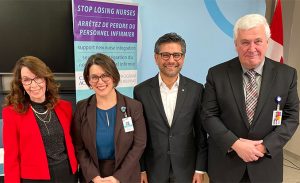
{"x": 261, "y": 148}
{"x": 110, "y": 179}
{"x": 144, "y": 178}
{"x": 246, "y": 149}
{"x": 198, "y": 178}
{"x": 97, "y": 179}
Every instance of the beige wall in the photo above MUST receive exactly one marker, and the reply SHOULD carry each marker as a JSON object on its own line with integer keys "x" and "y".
{"x": 291, "y": 29}
{"x": 291, "y": 12}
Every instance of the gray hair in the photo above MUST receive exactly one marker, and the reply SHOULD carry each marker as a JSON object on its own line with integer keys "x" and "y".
{"x": 250, "y": 21}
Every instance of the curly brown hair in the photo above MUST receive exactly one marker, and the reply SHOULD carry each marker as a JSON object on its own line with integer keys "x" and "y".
{"x": 17, "y": 96}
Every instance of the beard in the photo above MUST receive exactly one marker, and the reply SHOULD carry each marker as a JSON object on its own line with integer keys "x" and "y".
{"x": 170, "y": 72}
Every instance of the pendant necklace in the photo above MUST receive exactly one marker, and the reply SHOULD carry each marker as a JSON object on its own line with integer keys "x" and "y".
{"x": 107, "y": 119}
{"x": 44, "y": 119}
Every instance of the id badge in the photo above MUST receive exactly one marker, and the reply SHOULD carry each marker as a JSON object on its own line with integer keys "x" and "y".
{"x": 277, "y": 116}
{"x": 127, "y": 124}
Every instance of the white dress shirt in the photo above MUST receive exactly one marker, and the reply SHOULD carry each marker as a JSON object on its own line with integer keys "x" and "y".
{"x": 258, "y": 78}
{"x": 169, "y": 97}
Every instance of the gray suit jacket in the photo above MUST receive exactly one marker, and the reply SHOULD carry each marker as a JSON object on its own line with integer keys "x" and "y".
{"x": 226, "y": 120}
{"x": 128, "y": 146}
{"x": 183, "y": 145}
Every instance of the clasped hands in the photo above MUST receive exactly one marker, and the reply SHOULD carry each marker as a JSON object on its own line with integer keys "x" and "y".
{"x": 249, "y": 150}
{"x": 197, "y": 178}
{"x": 109, "y": 179}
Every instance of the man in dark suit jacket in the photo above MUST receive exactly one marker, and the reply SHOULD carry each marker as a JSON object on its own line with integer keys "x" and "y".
{"x": 176, "y": 149}
{"x": 244, "y": 147}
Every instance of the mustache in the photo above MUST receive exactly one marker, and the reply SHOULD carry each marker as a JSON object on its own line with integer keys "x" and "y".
{"x": 171, "y": 64}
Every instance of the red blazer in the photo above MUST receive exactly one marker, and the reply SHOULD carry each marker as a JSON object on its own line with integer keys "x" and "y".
{"x": 24, "y": 152}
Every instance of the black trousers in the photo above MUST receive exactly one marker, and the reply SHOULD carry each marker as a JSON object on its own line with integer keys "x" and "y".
{"x": 106, "y": 167}
{"x": 245, "y": 178}
{"x": 60, "y": 173}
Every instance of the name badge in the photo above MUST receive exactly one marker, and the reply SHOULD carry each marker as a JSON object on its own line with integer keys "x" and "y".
{"x": 127, "y": 124}
{"x": 277, "y": 114}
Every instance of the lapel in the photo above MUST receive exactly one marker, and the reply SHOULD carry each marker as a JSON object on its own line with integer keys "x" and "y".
{"x": 31, "y": 123}
{"x": 61, "y": 116}
{"x": 236, "y": 81}
{"x": 120, "y": 115}
{"x": 155, "y": 93}
{"x": 182, "y": 90}
{"x": 268, "y": 76}
{"x": 91, "y": 120}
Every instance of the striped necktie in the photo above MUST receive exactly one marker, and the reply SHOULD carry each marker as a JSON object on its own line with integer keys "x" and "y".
{"x": 251, "y": 94}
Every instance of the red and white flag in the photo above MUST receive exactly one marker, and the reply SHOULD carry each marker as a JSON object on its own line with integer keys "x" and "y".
{"x": 275, "y": 50}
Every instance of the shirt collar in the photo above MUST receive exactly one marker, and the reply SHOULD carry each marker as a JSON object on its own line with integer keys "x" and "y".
{"x": 161, "y": 82}
{"x": 258, "y": 69}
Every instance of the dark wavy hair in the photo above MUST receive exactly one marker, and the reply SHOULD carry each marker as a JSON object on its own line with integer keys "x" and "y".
{"x": 17, "y": 96}
{"x": 106, "y": 63}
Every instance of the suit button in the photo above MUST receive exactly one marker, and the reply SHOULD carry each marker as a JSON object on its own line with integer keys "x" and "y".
{"x": 169, "y": 152}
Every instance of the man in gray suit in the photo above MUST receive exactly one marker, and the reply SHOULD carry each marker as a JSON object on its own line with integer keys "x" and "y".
{"x": 176, "y": 149}
{"x": 251, "y": 109}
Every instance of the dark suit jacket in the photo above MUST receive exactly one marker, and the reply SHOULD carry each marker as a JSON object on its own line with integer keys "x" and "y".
{"x": 184, "y": 143}
{"x": 128, "y": 146}
{"x": 25, "y": 155}
{"x": 226, "y": 120}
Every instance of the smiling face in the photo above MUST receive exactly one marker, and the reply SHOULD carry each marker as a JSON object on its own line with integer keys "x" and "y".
{"x": 34, "y": 86}
{"x": 251, "y": 45}
{"x": 104, "y": 85}
{"x": 169, "y": 67}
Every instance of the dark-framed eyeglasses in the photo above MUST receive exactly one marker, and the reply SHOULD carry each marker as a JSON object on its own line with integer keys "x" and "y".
{"x": 28, "y": 81}
{"x": 104, "y": 77}
{"x": 166, "y": 55}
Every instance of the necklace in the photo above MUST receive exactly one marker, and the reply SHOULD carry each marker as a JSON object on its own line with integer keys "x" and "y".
{"x": 39, "y": 115}
{"x": 43, "y": 119}
{"x": 39, "y": 112}
{"x": 107, "y": 119}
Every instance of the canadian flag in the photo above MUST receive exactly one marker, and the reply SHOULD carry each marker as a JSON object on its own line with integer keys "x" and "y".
{"x": 275, "y": 50}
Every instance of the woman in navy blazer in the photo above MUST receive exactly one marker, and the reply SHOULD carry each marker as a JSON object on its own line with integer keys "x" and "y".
{"x": 36, "y": 128}
{"x": 109, "y": 128}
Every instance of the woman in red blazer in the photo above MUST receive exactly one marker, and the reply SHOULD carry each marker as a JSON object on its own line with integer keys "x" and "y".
{"x": 36, "y": 128}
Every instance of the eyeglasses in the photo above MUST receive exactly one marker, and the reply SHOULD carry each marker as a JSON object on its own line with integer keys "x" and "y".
{"x": 104, "y": 77}
{"x": 166, "y": 55}
{"x": 28, "y": 81}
